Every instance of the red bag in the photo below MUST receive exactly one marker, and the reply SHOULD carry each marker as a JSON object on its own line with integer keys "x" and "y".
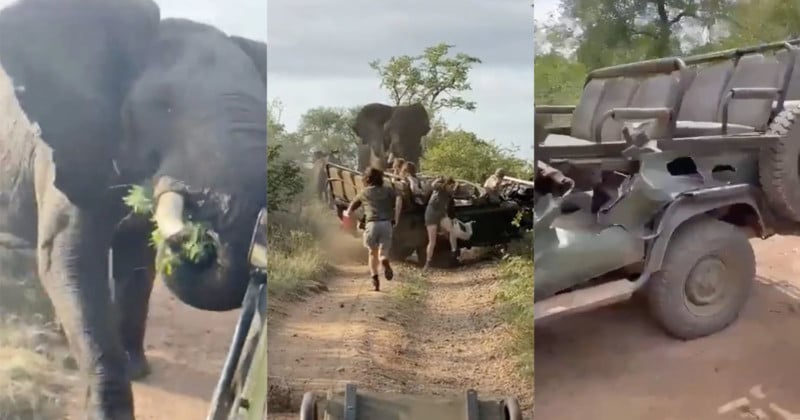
{"x": 347, "y": 223}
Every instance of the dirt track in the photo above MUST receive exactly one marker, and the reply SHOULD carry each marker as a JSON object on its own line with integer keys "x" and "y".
{"x": 186, "y": 348}
{"x": 352, "y": 334}
{"x": 617, "y": 364}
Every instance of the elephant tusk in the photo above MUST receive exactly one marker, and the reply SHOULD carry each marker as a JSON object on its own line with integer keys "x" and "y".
{"x": 169, "y": 214}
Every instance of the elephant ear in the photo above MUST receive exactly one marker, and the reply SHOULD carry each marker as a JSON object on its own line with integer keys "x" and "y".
{"x": 419, "y": 114}
{"x": 72, "y": 61}
{"x": 256, "y": 50}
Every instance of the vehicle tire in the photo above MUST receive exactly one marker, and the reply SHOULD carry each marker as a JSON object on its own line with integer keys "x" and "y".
{"x": 779, "y": 166}
{"x": 705, "y": 279}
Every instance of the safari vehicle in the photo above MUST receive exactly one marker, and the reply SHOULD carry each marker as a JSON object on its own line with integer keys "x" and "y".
{"x": 669, "y": 166}
{"x": 241, "y": 392}
{"x": 485, "y": 223}
{"x": 353, "y": 404}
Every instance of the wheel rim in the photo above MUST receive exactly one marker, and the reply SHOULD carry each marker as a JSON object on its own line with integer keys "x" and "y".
{"x": 706, "y": 287}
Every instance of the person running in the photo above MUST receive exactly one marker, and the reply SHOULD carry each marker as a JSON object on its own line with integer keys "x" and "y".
{"x": 409, "y": 174}
{"x": 382, "y": 207}
{"x": 436, "y": 216}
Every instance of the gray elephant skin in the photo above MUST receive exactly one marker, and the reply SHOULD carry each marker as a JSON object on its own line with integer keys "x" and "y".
{"x": 122, "y": 97}
{"x": 390, "y": 131}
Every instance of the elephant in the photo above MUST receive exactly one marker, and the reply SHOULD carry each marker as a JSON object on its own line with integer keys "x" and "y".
{"x": 121, "y": 97}
{"x": 389, "y": 132}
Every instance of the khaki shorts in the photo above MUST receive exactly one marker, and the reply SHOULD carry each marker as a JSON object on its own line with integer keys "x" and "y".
{"x": 378, "y": 235}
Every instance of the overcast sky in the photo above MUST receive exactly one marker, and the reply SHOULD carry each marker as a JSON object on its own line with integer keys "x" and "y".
{"x": 319, "y": 52}
{"x": 545, "y": 8}
{"x": 236, "y": 17}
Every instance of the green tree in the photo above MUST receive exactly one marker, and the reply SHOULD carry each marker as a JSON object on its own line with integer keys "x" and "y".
{"x": 329, "y": 129}
{"x": 284, "y": 176}
{"x": 760, "y": 21}
{"x": 291, "y": 144}
{"x": 461, "y": 154}
{"x": 434, "y": 78}
{"x": 558, "y": 80}
{"x": 612, "y": 31}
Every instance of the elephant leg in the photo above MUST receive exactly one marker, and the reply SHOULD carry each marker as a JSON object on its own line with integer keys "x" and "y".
{"x": 133, "y": 263}
{"x": 71, "y": 248}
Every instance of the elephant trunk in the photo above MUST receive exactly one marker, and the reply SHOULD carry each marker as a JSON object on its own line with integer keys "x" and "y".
{"x": 214, "y": 283}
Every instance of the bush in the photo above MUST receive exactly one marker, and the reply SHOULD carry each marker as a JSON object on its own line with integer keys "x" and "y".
{"x": 516, "y": 300}
{"x": 284, "y": 179}
{"x": 297, "y": 258}
{"x": 463, "y": 155}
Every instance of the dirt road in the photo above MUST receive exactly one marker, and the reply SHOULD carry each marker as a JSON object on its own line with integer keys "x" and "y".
{"x": 451, "y": 342}
{"x": 617, "y": 364}
{"x": 186, "y": 348}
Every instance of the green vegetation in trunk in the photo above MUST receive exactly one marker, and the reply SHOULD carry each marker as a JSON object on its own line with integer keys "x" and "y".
{"x": 196, "y": 247}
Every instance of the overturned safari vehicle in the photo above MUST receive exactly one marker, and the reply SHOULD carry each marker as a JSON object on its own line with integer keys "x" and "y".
{"x": 483, "y": 221}
{"x": 666, "y": 171}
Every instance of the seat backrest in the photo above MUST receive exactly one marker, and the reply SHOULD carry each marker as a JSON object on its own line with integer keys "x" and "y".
{"x": 752, "y": 71}
{"x": 702, "y": 98}
{"x": 658, "y": 91}
{"x": 334, "y": 174}
{"x": 617, "y": 94}
{"x": 582, "y": 116}
{"x": 793, "y": 90}
{"x": 350, "y": 188}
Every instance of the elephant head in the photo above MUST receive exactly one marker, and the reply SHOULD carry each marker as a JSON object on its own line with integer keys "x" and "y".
{"x": 195, "y": 125}
{"x": 71, "y": 73}
{"x": 391, "y": 131}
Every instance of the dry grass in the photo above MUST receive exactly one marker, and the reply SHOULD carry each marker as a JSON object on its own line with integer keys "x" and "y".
{"x": 33, "y": 384}
{"x": 297, "y": 258}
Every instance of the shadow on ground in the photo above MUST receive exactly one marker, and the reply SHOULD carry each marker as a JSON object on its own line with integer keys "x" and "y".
{"x": 616, "y": 363}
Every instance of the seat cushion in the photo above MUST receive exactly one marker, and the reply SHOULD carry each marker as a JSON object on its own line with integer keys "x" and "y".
{"x": 702, "y": 128}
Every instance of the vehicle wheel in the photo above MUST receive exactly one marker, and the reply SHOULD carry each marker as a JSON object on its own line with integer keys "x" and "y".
{"x": 779, "y": 165}
{"x": 308, "y": 407}
{"x": 511, "y": 409}
{"x": 705, "y": 279}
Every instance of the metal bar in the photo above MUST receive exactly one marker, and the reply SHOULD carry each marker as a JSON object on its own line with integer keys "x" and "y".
{"x": 112, "y": 284}
{"x": 640, "y": 68}
{"x": 218, "y": 404}
{"x": 350, "y": 400}
{"x": 693, "y": 144}
{"x": 473, "y": 412}
{"x": 555, "y": 109}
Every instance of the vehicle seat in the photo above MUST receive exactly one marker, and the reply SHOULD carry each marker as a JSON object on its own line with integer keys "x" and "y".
{"x": 618, "y": 93}
{"x": 744, "y": 116}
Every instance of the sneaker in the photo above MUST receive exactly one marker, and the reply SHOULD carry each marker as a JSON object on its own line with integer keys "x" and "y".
{"x": 376, "y": 284}
{"x": 387, "y": 270}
